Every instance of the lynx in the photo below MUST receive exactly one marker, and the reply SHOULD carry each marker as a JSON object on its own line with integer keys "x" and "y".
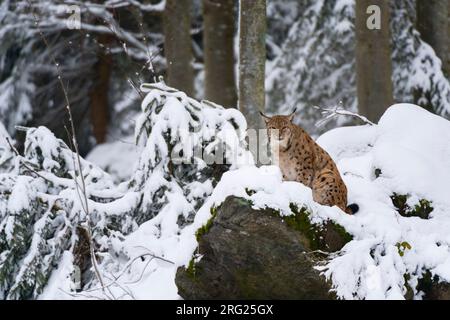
{"x": 301, "y": 159}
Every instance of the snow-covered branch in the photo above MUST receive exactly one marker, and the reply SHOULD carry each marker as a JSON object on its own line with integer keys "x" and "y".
{"x": 330, "y": 113}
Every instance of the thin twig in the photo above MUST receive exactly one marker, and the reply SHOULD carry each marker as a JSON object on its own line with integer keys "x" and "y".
{"x": 338, "y": 110}
{"x": 78, "y": 157}
{"x": 77, "y": 186}
{"x": 154, "y": 256}
{"x": 142, "y": 273}
{"x": 125, "y": 289}
{"x": 128, "y": 265}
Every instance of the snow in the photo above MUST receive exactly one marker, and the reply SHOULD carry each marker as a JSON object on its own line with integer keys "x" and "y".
{"x": 59, "y": 284}
{"x": 6, "y": 154}
{"x": 157, "y": 212}
{"x": 409, "y": 145}
{"x": 137, "y": 222}
{"x": 146, "y": 207}
{"x": 316, "y": 66}
{"x": 118, "y": 158}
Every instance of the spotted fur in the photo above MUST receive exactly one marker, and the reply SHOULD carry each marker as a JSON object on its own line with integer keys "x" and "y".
{"x": 301, "y": 159}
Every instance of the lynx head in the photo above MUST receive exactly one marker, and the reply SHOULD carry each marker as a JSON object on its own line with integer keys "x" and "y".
{"x": 280, "y": 128}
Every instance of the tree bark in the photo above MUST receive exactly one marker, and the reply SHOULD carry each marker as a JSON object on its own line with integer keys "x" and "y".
{"x": 178, "y": 45}
{"x": 252, "y": 59}
{"x": 433, "y": 25}
{"x": 373, "y": 61}
{"x": 99, "y": 93}
{"x": 218, "y": 35}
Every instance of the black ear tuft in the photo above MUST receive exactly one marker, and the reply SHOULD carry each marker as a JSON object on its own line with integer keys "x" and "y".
{"x": 264, "y": 116}
{"x": 291, "y": 116}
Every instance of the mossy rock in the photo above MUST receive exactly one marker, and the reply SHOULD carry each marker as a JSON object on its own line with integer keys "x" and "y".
{"x": 422, "y": 209}
{"x": 329, "y": 237}
{"x": 256, "y": 254}
{"x": 433, "y": 288}
{"x": 205, "y": 228}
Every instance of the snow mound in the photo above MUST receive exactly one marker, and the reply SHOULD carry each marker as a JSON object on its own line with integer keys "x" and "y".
{"x": 407, "y": 153}
{"x": 118, "y": 158}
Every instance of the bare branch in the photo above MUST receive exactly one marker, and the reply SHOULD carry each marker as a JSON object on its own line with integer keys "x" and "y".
{"x": 78, "y": 158}
{"x": 338, "y": 110}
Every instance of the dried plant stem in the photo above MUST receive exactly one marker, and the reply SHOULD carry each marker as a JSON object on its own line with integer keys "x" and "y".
{"x": 77, "y": 165}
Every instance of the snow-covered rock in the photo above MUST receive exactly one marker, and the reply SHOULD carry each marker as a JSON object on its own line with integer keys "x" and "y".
{"x": 247, "y": 253}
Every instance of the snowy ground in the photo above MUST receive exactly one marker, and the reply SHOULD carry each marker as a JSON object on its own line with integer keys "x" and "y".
{"x": 411, "y": 150}
{"x": 118, "y": 158}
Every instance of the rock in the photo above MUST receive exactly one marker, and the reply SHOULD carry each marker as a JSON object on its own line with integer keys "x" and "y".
{"x": 256, "y": 254}
{"x": 433, "y": 288}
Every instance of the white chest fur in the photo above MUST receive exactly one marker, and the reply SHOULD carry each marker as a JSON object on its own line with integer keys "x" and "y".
{"x": 275, "y": 150}
{"x": 288, "y": 168}
{"x": 282, "y": 160}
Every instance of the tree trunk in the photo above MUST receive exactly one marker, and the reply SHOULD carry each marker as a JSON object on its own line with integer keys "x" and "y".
{"x": 433, "y": 25}
{"x": 252, "y": 59}
{"x": 218, "y": 34}
{"x": 178, "y": 45}
{"x": 373, "y": 60}
{"x": 99, "y": 94}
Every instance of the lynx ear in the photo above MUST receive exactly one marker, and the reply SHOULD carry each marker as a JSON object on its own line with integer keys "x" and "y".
{"x": 264, "y": 116}
{"x": 291, "y": 116}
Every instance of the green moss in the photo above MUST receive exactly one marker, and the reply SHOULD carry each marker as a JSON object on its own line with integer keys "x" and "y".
{"x": 190, "y": 271}
{"x": 422, "y": 209}
{"x": 245, "y": 202}
{"x": 316, "y": 234}
{"x": 300, "y": 221}
{"x": 399, "y": 201}
{"x": 433, "y": 287}
{"x": 347, "y": 237}
{"x": 409, "y": 294}
{"x": 206, "y": 227}
{"x": 426, "y": 282}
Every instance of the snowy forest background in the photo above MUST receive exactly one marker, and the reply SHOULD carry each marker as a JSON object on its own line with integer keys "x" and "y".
{"x": 93, "y": 207}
